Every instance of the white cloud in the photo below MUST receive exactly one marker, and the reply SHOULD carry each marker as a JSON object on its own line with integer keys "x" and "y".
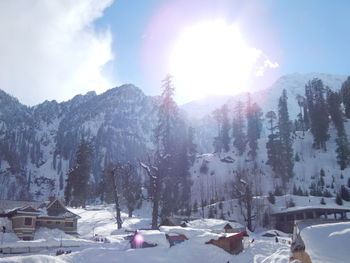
{"x": 51, "y": 50}
{"x": 266, "y": 64}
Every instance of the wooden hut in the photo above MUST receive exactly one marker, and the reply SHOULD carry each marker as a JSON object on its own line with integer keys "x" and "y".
{"x": 175, "y": 239}
{"x": 231, "y": 243}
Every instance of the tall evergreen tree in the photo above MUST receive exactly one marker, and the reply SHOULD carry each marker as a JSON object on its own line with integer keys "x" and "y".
{"x": 222, "y": 141}
{"x": 273, "y": 144}
{"x": 345, "y": 92}
{"x": 301, "y": 116}
{"x": 335, "y": 111}
{"x": 286, "y": 151}
{"x": 166, "y": 146}
{"x": 78, "y": 177}
{"x": 238, "y": 125}
{"x": 343, "y": 151}
{"x": 170, "y": 136}
{"x": 318, "y": 112}
{"x": 218, "y": 144}
{"x": 192, "y": 147}
{"x": 254, "y": 124}
{"x": 225, "y": 128}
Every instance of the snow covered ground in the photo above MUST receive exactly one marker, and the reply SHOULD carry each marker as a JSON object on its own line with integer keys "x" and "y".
{"x": 100, "y": 220}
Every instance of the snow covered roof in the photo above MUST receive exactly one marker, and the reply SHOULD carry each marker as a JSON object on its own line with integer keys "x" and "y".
{"x": 213, "y": 224}
{"x": 327, "y": 242}
{"x": 335, "y": 208}
{"x": 7, "y": 205}
{"x": 34, "y": 207}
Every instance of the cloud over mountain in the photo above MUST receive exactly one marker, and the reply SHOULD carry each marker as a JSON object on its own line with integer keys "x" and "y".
{"x": 53, "y": 49}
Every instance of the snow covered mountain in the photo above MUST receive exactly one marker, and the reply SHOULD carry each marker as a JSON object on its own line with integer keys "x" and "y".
{"x": 37, "y": 144}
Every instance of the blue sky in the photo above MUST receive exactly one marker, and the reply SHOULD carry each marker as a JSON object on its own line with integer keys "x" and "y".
{"x": 301, "y": 36}
{"x": 77, "y": 46}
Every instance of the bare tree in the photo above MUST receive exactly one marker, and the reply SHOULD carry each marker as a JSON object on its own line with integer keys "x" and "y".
{"x": 242, "y": 190}
{"x": 114, "y": 178}
{"x": 152, "y": 170}
{"x": 131, "y": 187}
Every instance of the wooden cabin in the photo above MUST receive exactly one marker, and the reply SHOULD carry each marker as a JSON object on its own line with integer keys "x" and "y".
{"x": 231, "y": 243}
{"x": 23, "y": 221}
{"x": 27, "y": 216}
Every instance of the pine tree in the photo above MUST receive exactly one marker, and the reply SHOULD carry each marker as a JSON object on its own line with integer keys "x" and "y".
{"x": 211, "y": 212}
{"x": 166, "y": 145}
{"x": 343, "y": 147}
{"x": 286, "y": 150}
{"x": 195, "y": 207}
{"x": 344, "y": 193}
{"x": 271, "y": 198}
{"x": 192, "y": 147}
{"x": 225, "y": 128}
{"x": 335, "y": 111}
{"x": 78, "y": 177}
{"x": 343, "y": 151}
{"x": 171, "y": 147}
{"x": 338, "y": 200}
{"x": 273, "y": 144}
{"x": 345, "y": 92}
{"x": 266, "y": 220}
{"x": 318, "y": 112}
{"x": 61, "y": 184}
{"x": 254, "y": 124}
{"x": 238, "y": 125}
{"x": 301, "y": 118}
{"x": 218, "y": 143}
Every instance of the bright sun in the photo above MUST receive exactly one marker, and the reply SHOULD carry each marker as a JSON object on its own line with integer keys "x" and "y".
{"x": 211, "y": 58}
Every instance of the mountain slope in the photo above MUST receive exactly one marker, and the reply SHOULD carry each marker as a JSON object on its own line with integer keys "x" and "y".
{"x": 38, "y": 144}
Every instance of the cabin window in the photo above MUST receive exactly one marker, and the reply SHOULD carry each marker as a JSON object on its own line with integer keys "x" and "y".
{"x": 290, "y": 217}
{"x": 309, "y": 215}
{"x": 28, "y": 221}
{"x": 56, "y": 205}
{"x": 280, "y": 218}
{"x": 300, "y": 216}
{"x": 58, "y": 222}
{"x": 319, "y": 213}
{"x": 68, "y": 224}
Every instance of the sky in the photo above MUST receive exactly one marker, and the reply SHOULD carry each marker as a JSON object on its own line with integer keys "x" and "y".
{"x": 54, "y": 50}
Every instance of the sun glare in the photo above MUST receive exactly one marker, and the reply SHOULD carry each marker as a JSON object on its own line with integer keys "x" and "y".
{"x": 211, "y": 58}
